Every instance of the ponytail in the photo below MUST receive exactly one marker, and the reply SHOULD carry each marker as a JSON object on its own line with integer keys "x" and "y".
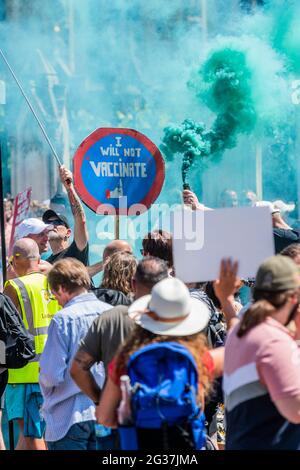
{"x": 255, "y": 315}
{"x": 265, "y": 304}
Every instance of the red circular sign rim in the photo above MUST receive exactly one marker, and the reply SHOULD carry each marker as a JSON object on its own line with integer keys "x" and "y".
{"x": 108, "y": 209}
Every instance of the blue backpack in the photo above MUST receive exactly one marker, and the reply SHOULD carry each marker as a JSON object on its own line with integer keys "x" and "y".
{"x": 164, "y": 382}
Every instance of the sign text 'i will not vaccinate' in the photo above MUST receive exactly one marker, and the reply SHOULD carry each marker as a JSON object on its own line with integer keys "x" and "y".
{"x": 116, "y": 165}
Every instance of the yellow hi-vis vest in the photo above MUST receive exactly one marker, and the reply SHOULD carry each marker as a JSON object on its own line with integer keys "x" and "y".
{"x": 38, "y": 305}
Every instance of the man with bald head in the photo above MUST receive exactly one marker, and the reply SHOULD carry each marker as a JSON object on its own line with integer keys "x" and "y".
{"x": 114, "y": 246}
{"x": 31, "y": 295}
{"x": 110, "y": 249}
{"x": 25, "y": 257}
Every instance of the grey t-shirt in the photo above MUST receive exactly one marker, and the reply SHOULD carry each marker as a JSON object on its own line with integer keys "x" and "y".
{"x": 106, "y": 334}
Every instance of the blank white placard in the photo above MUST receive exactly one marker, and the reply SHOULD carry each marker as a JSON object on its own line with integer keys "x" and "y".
{"x": 244, "y": 234}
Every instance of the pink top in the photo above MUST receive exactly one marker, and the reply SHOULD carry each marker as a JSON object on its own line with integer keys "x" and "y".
{"x": 268, "y": 355}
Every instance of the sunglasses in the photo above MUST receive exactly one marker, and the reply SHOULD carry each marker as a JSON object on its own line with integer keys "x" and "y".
{"x": 56, "y": 222}
{"x": 17, "y": 255}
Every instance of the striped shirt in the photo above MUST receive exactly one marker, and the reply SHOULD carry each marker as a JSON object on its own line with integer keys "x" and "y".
{"x": 64, "y": 403}
{"x": 261, "y": 367}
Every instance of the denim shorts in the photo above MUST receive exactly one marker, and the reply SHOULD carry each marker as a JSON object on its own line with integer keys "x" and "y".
{"x": 16, "y": 396}
{"x": 81, "y": 436}
{"x": 15, "y": 401}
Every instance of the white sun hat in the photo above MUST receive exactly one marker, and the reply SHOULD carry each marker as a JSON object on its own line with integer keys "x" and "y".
{"x": 170, "y": 310}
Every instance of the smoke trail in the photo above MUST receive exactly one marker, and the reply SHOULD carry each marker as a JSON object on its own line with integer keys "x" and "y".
{"x": 106, "y": 63}
{"x": 234, "y": 85}
{"x": 227, "y": 92}
{"x": 285, "y": 33}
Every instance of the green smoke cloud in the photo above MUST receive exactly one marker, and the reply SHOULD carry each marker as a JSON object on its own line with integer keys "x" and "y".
{"x": 285, "y": 34}
{"x": 244, "y": 88}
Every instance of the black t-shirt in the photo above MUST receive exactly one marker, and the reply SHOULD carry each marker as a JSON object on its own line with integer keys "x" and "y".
{"x": 285, "y": 237}
{"x": 72, "y": 252}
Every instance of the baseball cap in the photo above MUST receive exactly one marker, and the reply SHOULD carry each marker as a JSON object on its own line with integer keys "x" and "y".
{"x": 268, "y": 204}
{"x": 277, "y": 273}
{"x": 31, "y": 226}
{"x": 50, "y": 213}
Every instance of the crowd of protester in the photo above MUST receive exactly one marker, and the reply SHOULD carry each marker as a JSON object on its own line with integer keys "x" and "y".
{"x": 244, "y": 355}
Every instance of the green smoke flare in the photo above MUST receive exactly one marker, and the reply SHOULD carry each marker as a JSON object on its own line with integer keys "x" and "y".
{"x": 234, "y": 85}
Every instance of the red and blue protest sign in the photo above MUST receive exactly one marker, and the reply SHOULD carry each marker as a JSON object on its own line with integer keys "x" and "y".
{"x": 117, "y": 170}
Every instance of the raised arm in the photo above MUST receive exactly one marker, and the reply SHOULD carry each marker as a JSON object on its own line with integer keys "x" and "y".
{"x": 225, "y": 287}
{"x": 80, "y": 226}
{"x": 95, "y": 269}
{"x": 217, "y": 355}
{"x": 190, "y": 199}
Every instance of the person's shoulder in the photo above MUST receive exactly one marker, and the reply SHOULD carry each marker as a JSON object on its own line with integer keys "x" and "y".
{"x": 52, "y": 258}
{"x": 117, "y": 311}
{"x": 111, "y": 315}
{"x": 232, "y": 335}
{"x": 49, "y": 259}
{"x": 59, "y": 320}
{"x": 69, "y": 250}
{"x": 35, "y": 281}
{"x": 65, "y": 253}
{"x": 261, "y": 336}
{"x": 72, "y": 245}
{"x": 74, "y": 248}
{"x": 268, "y": 334}
{"x": 97, "y": 304}
{"x": 44, "y": 267}
{"x": 289, "y": 233}
{"x": 111, "y": 296}
{"x": 72, "y": 251}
